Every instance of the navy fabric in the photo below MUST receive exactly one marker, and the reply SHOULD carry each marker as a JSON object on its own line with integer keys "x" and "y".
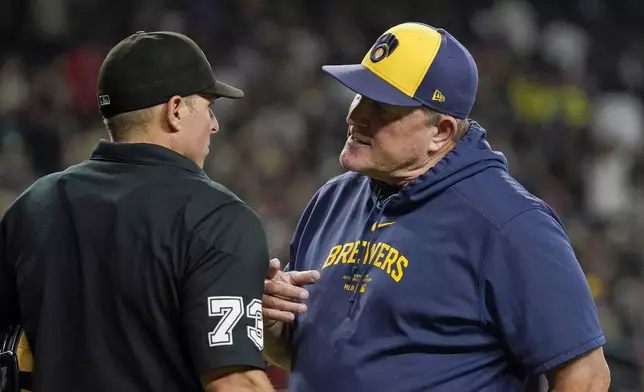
{"x": 460, "y": 281}
{"x": 366, "y": 83}
{"x": 454, "y": 74}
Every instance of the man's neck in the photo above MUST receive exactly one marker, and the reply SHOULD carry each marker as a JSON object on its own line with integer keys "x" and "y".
{"x": 407, "y": 175}
{"x": 144, "y": 137}
{"x": 159, "y": 141}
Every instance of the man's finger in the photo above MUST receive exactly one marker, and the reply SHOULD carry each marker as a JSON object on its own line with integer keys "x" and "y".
{"x": 277, "y": 315}
{"x": 284, "y": 290}
{"x": 300, "y": 278}
{"x": 271, "y": 302}
{"x": 273, "y": 268}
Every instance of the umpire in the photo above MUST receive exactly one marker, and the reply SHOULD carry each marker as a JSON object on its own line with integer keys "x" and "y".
{"x": 133, "y": 271}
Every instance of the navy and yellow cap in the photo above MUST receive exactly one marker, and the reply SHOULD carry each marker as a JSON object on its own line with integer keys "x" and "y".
{"x": 413, "y": 64}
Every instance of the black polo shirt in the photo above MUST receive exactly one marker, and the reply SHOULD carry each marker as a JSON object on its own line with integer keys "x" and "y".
{"x": 133, "y": 271}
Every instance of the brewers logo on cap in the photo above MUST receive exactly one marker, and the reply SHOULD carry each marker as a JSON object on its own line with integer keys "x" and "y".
{"x": 384, "y": 46}
{"x": 414, "y": 64}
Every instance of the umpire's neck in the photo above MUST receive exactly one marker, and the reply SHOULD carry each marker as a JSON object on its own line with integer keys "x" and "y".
{"x": 160, "y": 127}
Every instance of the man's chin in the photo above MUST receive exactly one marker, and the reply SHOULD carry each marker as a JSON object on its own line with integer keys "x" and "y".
{"x": 354, "y": 164}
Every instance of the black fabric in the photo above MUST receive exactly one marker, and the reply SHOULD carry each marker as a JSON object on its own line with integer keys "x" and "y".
{"x": 148, "y": 68}
{"x": 135, "y": 272}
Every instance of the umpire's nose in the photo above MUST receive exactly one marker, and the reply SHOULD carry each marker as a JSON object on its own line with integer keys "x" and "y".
{"x": 214, "y": 124}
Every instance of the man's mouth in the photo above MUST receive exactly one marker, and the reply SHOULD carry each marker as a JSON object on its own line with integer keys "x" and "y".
{"x": 359, "y": 139}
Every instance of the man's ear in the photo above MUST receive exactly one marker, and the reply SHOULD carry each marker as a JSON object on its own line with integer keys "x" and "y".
{"x": 444, "y": 134}
{"x": 176, "y": 110}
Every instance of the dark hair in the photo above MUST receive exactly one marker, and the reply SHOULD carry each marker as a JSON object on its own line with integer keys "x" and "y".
{"x": 122, "y": 125}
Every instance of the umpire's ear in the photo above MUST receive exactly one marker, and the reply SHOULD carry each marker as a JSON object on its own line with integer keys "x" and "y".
{"x": 177, "y": 108}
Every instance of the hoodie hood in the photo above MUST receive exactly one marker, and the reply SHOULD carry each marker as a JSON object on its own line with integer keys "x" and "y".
{"x": 470, "y": 156}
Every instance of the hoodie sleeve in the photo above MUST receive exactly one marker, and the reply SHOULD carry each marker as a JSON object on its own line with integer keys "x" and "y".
{"x": 535, "y": 292}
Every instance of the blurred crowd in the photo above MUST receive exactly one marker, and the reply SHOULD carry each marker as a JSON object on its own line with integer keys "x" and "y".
{"x": 561, "y": 95}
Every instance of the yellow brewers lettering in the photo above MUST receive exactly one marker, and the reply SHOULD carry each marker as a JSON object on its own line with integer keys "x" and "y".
{"x": 379, "y": 254}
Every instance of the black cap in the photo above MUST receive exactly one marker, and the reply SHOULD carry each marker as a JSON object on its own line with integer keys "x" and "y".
{"x": 148, "y": 68}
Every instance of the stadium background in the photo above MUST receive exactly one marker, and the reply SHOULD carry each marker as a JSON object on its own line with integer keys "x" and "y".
{"x": 561, "y": 94}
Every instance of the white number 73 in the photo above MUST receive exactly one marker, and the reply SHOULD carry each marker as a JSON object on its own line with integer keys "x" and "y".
{"x": 231, "y": 310}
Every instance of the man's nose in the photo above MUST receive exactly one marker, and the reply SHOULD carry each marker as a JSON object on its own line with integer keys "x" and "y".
{"x": 214, "y": 125}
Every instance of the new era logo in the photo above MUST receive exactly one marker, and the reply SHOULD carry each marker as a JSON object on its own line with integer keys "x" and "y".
{"x": 438, "y": 96}
{"x": 104, "y": 100}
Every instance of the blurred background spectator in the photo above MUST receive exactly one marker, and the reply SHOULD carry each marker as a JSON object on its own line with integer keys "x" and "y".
{"x": 561, "y": 94}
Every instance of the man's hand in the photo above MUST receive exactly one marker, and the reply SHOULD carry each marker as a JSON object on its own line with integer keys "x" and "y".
{"x": 283, "y": 292}
{"x": 281, "y": 301}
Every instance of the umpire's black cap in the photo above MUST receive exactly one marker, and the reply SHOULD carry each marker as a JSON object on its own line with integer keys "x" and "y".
{"x": 148, "y": 68}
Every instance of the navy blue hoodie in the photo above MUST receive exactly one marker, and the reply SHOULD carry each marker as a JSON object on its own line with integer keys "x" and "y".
{"x": 460, "y": 281}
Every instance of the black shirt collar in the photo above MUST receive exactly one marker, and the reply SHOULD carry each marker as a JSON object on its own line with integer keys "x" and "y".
{"x": 143, "y": 153}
